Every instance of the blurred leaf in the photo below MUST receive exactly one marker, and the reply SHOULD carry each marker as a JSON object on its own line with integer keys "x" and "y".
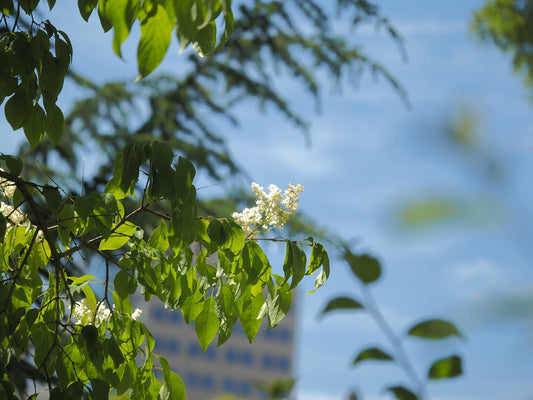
{"x": 365, "y": 267}
{"x": 446, "y": 368}
{"x": 342, "y": 303}
{"x": 434, "y": 329}
{"x": 372, "y": 353}
{"x": 425, "y": 212}
{"x": 402, "y": 393}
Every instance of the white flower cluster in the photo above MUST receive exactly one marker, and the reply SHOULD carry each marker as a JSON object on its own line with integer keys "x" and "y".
{"x": 13, "y": 215}
{"x": 7, "y": 187}
{"x": 85, "y": 315}
{"x": 271, "y": 210}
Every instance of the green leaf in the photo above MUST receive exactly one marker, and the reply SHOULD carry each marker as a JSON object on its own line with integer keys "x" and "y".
{"x": 364, "y": 267}
{"x": 121, "y": 283}
{"x": 342, "y": 303}
{"x": 206, "y": 39}
{"x": 402, "y": 393}
{"x": 249, "y": 317}
{"x": 173, "y": 388}
{"x": 372, "y": 353}
{"x": 13, "y": 164}
{"x": 56, "y": 121}
{"x": 119, "y": 16}
{"x": 3, "y": 226}
{"x": 156, "y": 30}
{"x": 278, "y": 304}
{"x": 35, "y": 125}
{"x": 120, "y": 236}
{"x": 227, "y": 312}
{"x": 86, "y": 8}
{"x": 324, "y": 274}
{"x": 255, "y": 263}
{"x": 186, "y": 30}
{"x": 434, "y": 329}
{"x": 206, "y": 323}
{"x": 7, "y": 7}
{"x": 294, "y": 264}
{"x": 449, "y": 367}
{"x": 52, "y": 196}
{"x": 18, "y": 109}
{"x": 100, "y": 389}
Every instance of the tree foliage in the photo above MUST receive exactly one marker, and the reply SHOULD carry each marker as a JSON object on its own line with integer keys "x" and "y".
{"x": 52, "y": 325}
{"x": 139, "y": 214}
{"x": 507, "y": 24}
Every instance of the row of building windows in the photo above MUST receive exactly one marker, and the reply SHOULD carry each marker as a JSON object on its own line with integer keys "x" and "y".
{"x": 204, "y": 381}
{"x": 170, "y": 316}
{"x": 231, "y": 355}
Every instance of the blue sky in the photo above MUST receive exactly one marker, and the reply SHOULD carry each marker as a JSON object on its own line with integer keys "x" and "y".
{"x": 370, "y": 155}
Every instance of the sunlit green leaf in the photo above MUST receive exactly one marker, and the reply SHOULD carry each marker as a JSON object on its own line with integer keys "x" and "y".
{"x": 173, "y": 388}
{"x": 120, "y": 236}
{"x": 206, "y": 323}
{"x": 156, "y": 30}
{"x": 449, "y": 367}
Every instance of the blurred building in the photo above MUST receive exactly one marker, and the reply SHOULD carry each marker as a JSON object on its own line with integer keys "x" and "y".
{"x": 233, "y": 368}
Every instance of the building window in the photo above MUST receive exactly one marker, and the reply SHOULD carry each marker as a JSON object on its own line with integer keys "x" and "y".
{"x": 195, "y": 350}
{"x": 276, "y": 362}
{"x": 236, "y": 356}
{"x": 199, "y": 380}
{"x": 237, "y": 387}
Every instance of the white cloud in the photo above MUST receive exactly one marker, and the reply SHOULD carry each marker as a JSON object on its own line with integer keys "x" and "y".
{"x": 476, "y": 276}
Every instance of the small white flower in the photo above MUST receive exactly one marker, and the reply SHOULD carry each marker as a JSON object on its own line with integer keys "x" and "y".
{"x": 13, "y": 215}
{"x": 85, "y": 315}
{"x": 271, "y": 210}
{"x": 136, "y": 314}
{"x": 7, "y": 187}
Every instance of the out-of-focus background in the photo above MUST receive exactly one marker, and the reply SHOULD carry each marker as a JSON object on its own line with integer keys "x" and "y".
{"x": 439, "y": 190}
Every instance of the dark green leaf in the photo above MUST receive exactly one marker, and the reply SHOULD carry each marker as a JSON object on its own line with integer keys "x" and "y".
{"x": 86, "y": 8}
{"x": 18, "y": 109}
{"x": 206, "y": 39}
{"x": 35, "y": 125}
{"x": 121, "y": 283}
{"x": 342, "y": 303}
{"x": 365, "y": 267}
{"x": 52, "y": 196}
{"x": 216, "y": 232}
{"x": 100, "y": 389}
{"x": 3, "y": 225}
{"x": 434, "y": 329}
{"x": 89, "y": 333}
{"x": 294, "y": 264}
{"x": 372, "y": 353}
{"x": 446, "y": 368}
{"x": 402, "y": 393}
{"x": 56, "y": 121}
{"x": 7, "y": 7}
{"x": 13, "y": 164}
